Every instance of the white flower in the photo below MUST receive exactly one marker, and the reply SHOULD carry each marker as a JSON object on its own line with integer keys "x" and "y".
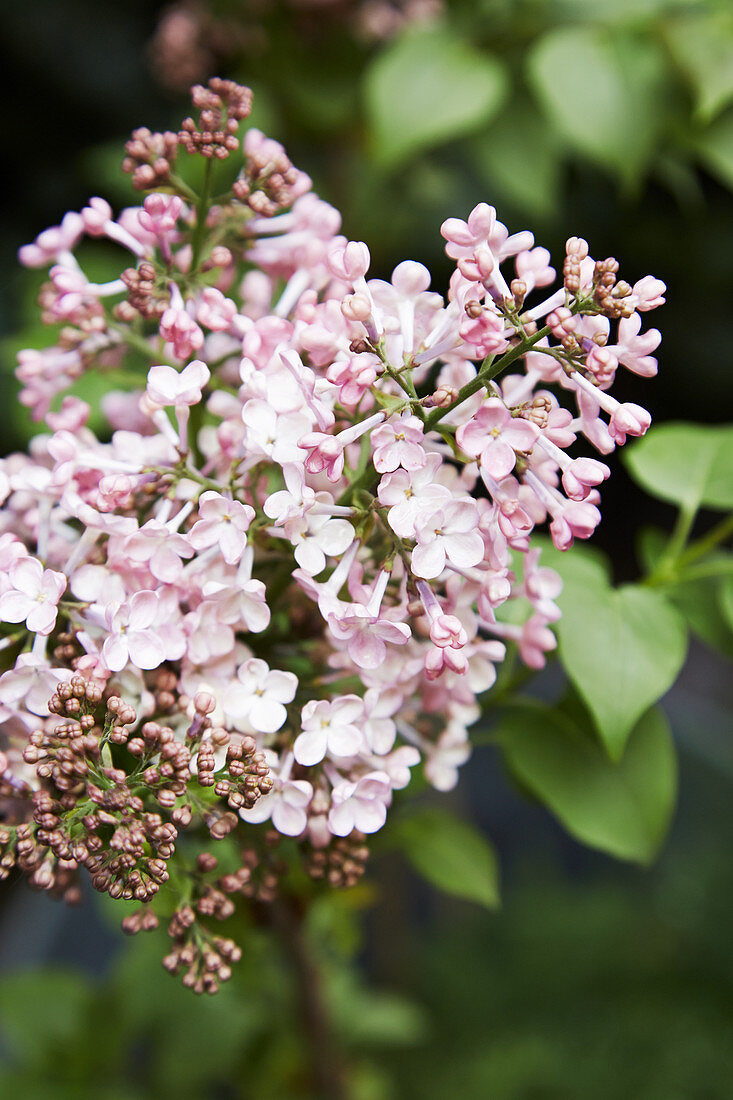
{"x": 259, "y": 696}
{"x": 361, "y": 805}
{"x": 329, "y": 727}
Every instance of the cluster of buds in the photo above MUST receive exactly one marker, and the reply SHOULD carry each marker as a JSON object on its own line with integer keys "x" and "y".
{"x": 221, "y": 106}
{"x": 309, "y": 540}
{"x": 91, "y": 811}
{"x": 203, "y": 960}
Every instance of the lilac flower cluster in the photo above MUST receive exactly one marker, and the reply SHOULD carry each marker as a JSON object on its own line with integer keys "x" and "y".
{"x": 316, "y": 502}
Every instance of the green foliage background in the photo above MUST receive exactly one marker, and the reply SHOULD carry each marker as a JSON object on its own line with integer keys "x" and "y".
{"x": 609, "y": 120}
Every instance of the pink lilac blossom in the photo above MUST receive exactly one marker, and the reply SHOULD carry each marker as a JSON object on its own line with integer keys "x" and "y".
{"x": 326, "y": 538}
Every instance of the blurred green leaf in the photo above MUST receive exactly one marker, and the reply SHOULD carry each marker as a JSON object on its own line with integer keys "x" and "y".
{"x": 49, "y": 1003}
{"x": 703, "y": 604}
{"x": 519, "y": 156}
{"x": 715, "y": 147}
{"x": 651, "y": 543}
{"x": 450, "y": 854}
{"x": 584, "y": 564}
{"x": 427, "y": 87}
{"x": 622, "y": 648}
{"x": 726, "y": 600}
{"x": 687, "y": 464}
{"x": 702, "y": 601}
{"x": 369, "y": 1017}
{"x": 602, "y": 91}
{"x": 701, "y": 43}
{"x": 621, "y": 808}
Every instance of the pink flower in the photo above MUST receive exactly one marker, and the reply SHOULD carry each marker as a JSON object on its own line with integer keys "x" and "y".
{"x": 259, "y": 696}
{"x": 542, "y": 586}
{"x": 349, "y": 261}
{"x": 32, "y": 681}
{"x": 159, "y": 548}
{"x": 444, "y": 758}
{"x": 497, "y": 436}
{"x": 581, "y": 475}
{"x": 534, "y": 269}
{"x": 628, "y": 419}
{"x": 49, "y": 244}
{"x": 329, "y": 728}
{"x": 447, "y": 534}
{"x": 33, "y": 596}
{"x": 316, "y": 537}
{"x": 634, "y": 347}
{"x": 271, "y": 435}
{"x": 410, "y": 493}
{"x": 325, "y": 454}
{"x": 286, "y": 805}
{"x": 132, "y": 636}
{"x": 648, "y": 293}
{"x": 223, "y": 522}
{"x": 448, "y": 631}
{"x": 178, "y": 328}
{"x": 169, "y": 387}
{"x": 214, "y": 311}
{"x": 399, "y": 443}
{"x": 578, "y": 519}
{"x": 444, "y": 659}
{"x": 535, "y": 640}
{"x": 361, "y": 805}
{"x": 484, "y": 332}
{"x": 160, "y": 214}
{"x": 367, "y": 635}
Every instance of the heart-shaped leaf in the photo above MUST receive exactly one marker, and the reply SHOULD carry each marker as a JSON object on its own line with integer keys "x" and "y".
{"x": 619, "y": 125}
{"x": 427, "y": 87}
{"x": 450, "y": 854}
{"x": 622, "y": 648}
{"x": 621, "y": 808}
{"x": 686, "y": 464}
{"x": 701, "y": 43}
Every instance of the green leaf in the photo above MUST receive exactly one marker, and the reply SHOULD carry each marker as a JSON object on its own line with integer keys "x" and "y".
{"x": 701, "y": 43}
{"x": 715, "y": 147}
{"x": 622, "y": 648}
{"x": 583, "y": 564}
{"x": 429, "y": 86}
{"x": 651, "y": 542}
{"x": 518, "y": 156}
{"x": 726, "y": 600}
{"x": 368, "y": 1017}
{"x": 704, "y": 604}
{"x": 686, "y": 464}
{"x": 451, "y": 855}
{"x": 49, "y": 1003}
{"x": 602, "y": 92}
{"x": 621, "y": 808}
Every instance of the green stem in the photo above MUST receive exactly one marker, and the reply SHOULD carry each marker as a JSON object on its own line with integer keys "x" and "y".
{"x": 367, "y": 479}
{"x": 202, "y": 209}
{"x": 667, "y": 566}
{"x": 487, "y": 371}
{"x": 708, "y": 542}
{"x": 182, "y": 188}
{"x": 139, "y": 343}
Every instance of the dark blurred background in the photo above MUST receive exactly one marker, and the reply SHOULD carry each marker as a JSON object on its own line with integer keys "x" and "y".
{"x": 595, "y": 979}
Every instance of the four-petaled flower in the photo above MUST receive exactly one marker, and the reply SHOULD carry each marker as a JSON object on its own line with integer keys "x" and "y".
{"x": 224, "y": 522}
{"x": 497, "y": 436}
{"x": 33, "y": 595}
{"x": 329, "y": 728}
{"x": 258, "y": 695}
